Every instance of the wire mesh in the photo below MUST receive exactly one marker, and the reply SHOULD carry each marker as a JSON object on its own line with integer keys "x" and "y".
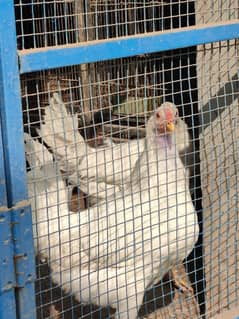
{"x": 57, "y": 22}
{"x": 123, "y": 94}
{"x": 111, "y": 106}
{"x": 219, "y": 163}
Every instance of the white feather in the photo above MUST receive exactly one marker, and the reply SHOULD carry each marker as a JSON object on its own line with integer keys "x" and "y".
{"x": 60, "y": 133}
{"x": 109, "y": 254}
{"x": 111, "y": 164}
{"x": 55, "y": 228}
{"x": 36, "y": 153}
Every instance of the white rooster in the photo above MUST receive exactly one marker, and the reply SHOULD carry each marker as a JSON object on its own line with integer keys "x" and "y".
{"x": 109, "y": 254}
{"x": 99, "y": 172}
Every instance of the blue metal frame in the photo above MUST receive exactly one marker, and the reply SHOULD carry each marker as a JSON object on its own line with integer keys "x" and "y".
{"x": 7, "y": 276}
{"x": 17, "y": 218}
{"x": 10, "y": 106}
{"x": 3, "y": 191}
{"x": 95, "y": 51}
{"x": 17, "y": 267}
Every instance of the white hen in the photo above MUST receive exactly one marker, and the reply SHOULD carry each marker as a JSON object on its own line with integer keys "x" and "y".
{"x": 54, "y": 227}
{"x": 99, "y": 172}
{"x": 60, "y": 132}
{"x": 110, "y": 253}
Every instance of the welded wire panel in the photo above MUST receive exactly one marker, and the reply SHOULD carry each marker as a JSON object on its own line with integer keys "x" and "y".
{"x": 89, "y": 201}
{"x": 218, "y": 94}
{"x": 43, "y": 23}
{"x": 215, "y": 11}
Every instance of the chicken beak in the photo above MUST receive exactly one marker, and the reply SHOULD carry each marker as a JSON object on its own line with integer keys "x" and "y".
{"x": 170, "y": 127}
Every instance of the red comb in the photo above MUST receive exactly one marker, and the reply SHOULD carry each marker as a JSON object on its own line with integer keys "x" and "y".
{"x": 169, "y": 114}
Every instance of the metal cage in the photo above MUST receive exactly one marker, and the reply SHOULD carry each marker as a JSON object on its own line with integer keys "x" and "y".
{"x": 100, "y": 218}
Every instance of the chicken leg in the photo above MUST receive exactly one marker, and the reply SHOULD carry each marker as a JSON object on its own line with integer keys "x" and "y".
{"x": 179, "y": 283}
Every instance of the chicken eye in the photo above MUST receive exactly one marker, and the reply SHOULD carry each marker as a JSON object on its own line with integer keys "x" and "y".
{"x": 158, "y": 115}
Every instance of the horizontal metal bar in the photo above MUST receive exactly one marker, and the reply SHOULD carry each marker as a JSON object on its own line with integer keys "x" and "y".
{"x": 95, "y": 51}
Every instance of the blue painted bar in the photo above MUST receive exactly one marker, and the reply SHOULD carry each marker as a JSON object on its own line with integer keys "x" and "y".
{"x": 95, "y": 51}
{"x": 10, "y": 107}
{"x": 7, "y": 272}
{"x": 21, "y": 303}
{"x": 24, "y": 261}
{"x": 8, "y": 309}
{"x": 3, "y": 192}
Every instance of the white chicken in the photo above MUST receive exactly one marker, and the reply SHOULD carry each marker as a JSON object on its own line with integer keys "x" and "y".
{"x": 109, "y": 254}
{"x": 54, "y": 227}
{"x": 60, "y": 132}
{"x": 99, "y": 172}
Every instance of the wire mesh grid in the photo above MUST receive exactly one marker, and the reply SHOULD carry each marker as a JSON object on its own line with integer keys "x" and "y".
{"x": 123, "y": 96}
{"x": 57, "y": 22}
{"x": 219, "y": 88}
{"x": 71, "y": 161}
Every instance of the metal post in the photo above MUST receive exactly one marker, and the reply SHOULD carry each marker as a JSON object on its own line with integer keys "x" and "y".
{"x": 7, "y": 276}
{"x": 19, "y": 214}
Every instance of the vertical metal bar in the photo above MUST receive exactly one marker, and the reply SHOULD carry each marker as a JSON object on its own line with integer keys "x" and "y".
{"x": 34, "y": 35}
{"x": 24, "y": 261}
{"x": 14, "y": 164}
{"x": 84, "y": 19}
{"x": 3, "y": 193}
{"x": 10, "y": 107}
{"x": 7, "y": 278}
